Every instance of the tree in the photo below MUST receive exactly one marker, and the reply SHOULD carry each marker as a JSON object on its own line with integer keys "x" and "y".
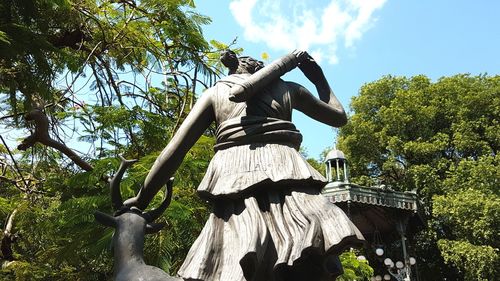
{"x": 107, "y": 78}
{"x": 440, "y": 139}
{"x": 354, "y": 269}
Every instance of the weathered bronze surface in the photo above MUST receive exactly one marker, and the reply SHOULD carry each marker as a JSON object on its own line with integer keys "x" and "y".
{"x": 269, "y": 220}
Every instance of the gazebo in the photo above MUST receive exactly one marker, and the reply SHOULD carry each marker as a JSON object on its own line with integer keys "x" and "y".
{"x": 384, "y": 216}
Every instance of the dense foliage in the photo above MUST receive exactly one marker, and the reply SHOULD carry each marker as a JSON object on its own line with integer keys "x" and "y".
{"x": 111, "y": 77}
{"x": 354, "y": 269}
{"x": 441, "y": 140}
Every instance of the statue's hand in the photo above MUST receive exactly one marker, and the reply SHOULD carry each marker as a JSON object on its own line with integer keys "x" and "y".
{"x": 311, "y": 69}
{"x": 300, "y": 55}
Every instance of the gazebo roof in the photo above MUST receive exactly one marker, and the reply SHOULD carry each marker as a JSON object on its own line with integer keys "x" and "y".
{"x": 335, "y": 154}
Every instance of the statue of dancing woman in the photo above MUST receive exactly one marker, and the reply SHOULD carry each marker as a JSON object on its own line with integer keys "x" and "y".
{"x": 269, "y": 221}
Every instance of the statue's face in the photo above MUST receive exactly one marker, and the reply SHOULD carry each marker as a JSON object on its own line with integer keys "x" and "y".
{"x": 229, "y": 59}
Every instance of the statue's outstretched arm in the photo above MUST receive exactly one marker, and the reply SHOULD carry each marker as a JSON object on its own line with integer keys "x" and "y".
{"x": 197, "y": 121}
{"x": 327, "y": 109}
{"x": 252, "y": 85}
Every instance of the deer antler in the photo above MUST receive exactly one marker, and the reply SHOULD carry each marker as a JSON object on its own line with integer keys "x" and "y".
{"x": 116, "y": 197}
{"x": 156, "y": 213}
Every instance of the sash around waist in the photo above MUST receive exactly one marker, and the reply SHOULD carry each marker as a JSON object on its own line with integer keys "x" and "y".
{"x": 256, "y": 129}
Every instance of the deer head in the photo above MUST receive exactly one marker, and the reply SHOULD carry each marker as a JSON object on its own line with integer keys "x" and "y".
{"x": 131, "y": 224}
{"x": 120, "y": 209}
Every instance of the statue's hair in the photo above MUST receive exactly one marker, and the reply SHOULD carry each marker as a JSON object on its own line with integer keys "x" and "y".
{"x": 248, "y": 65}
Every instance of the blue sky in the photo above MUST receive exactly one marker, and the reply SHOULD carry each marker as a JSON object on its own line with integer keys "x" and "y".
{"x": 359, "y": 41}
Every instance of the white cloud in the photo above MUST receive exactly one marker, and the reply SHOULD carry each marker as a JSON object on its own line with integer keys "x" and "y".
{"x": 289, "y": 25}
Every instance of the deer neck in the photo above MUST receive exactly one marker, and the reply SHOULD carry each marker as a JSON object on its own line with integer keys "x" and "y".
{"x": 129, "y": 246}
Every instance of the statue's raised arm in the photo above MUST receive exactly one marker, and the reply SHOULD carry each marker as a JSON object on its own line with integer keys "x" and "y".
{"x": 327, "y": 109}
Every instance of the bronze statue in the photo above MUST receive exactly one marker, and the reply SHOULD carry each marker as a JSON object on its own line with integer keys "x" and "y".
{"x": 269, "y": 220}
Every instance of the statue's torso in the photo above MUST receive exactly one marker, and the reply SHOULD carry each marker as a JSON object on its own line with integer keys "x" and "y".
{"x": 256, "y": 142}
{"x": 273, "y": 101}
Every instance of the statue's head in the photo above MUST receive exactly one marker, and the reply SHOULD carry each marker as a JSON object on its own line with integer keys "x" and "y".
{"x": 230, "y": 60}
{"x": 240, "y": 65}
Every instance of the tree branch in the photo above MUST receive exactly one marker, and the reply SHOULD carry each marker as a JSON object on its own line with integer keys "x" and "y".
{"x": 8, "y": 238}
{"x": 15, "y": 163}
{"x": 42, "y": 136}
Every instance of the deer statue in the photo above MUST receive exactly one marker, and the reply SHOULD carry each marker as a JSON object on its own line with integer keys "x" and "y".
{"x": 131, "y": 224}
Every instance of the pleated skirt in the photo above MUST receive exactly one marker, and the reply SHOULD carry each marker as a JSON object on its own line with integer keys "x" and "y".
{"x": 276, "y": 234}
{"x": 236, "y": 170}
